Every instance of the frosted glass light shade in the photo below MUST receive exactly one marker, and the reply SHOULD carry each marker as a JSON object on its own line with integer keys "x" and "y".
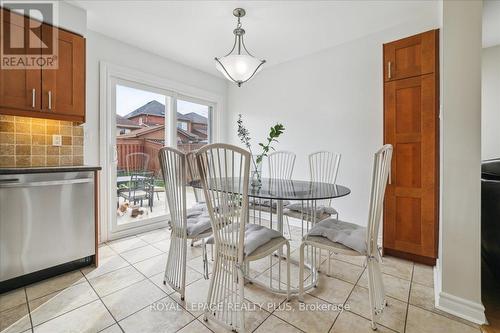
{"x": 238, "y": 68}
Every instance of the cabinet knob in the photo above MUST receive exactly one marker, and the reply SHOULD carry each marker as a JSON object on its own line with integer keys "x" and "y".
{"x": 33, "y": 98}
{"x": 389, "y": 70}
{"x": 50, "y": 100}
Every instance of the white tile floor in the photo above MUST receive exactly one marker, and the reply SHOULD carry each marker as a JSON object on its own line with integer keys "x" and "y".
{"x": 126, "y": 294}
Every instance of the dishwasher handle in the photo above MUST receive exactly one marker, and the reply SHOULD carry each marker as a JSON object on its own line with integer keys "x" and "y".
{"x": 47, "y": 183}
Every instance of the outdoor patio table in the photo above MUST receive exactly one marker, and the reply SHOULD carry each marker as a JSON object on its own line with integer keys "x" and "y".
{"x": 126, "y": 179}
{"x": 276, "y": 191}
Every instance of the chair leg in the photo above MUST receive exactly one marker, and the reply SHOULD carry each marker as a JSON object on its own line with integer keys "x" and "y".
{"x": 288, "y": 225}
{"x": 241, "y": 283}
{"x": 301, "y": 272}
{"x": 371, "y": 293}
{"x": 329, "y": 263}
{"x": 288, "y": 271}
{"x": 205, "y": 259}
{"x": 319, "y": 260}
{"x": 211, "y": 288}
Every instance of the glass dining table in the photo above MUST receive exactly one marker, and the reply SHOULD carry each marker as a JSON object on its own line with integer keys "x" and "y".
{"x": 271, "y": 197}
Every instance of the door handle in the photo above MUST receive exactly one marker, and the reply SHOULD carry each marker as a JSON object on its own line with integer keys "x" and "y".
{"x": 389, "y": 70}
{"x": 50, "y": 100}
{"x": 47, "y": 183}
{"x": 33, "y": 98}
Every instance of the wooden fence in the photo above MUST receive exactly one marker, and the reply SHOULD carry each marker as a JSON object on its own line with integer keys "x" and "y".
{"x": 128, "y": 146}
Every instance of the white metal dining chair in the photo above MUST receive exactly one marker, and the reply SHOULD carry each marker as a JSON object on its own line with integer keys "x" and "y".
{"x": 323, "y": 168}
{"x": 367, "y": 247}
{"x": 173, "y": 166}
{"x": 281, "y": 165}
{"x": 194, "y": 174}
{"x": 224, "y": 171}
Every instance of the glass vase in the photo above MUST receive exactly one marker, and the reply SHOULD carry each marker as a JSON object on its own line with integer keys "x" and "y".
{"x": 256, "y": 174}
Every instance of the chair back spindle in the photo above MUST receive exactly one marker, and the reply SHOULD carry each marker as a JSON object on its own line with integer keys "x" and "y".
{"x": 194, "y": 174}
{"x": 137, "y": 162}
{"x": 324, "y": 168}
{"x": 381, "y": 169}
{"x": 173, "y": 166}
{"x": 224, "y": 171}
{"x": 281, "y": 164}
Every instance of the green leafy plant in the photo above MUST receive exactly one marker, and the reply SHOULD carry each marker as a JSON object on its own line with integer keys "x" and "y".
{"x": 267, "y": 146}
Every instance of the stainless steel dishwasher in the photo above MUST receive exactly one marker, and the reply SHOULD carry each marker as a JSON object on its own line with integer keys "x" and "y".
{"x": 46, "y": 221}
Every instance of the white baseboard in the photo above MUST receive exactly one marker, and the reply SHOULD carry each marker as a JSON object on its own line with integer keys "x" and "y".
{"x": 471, "y": 311}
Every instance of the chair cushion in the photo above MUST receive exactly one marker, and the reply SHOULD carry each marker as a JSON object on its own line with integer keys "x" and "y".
{"x": 267, "y": 203}
{"x": 320, "y": 210}
{"x": 196, "y": 210}
{"x": 198, "y": 220}
{"x": 345, "y": 233}
{"x": 255, "y": 236}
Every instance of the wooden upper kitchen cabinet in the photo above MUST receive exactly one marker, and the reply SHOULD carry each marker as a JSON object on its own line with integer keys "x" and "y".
{"x": 63, "y": 89}
{"x": 19, "y": 88}
{"x": 53, "y": 93}
{"x": 412, "y": 56}
{"x": 411, "y": 125}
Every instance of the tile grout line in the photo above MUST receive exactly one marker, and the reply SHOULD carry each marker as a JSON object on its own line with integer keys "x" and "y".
{"x": 272, "y": 313}
{"x": 29, "y": 309}
{"x": 63, "y": 313}
{"x": 167, "y": 295}
{"x": 66, "y": 312}
{"x": 348, "y": 296}
{"x": 189, "y": 323}
{"x": 54, "y": 291}
{"x": 100, "y": 299}
{"x": 409, "y": 295}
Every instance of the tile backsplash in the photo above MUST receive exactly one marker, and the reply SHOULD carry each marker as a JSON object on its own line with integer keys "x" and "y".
{"x": 27, "y": 142}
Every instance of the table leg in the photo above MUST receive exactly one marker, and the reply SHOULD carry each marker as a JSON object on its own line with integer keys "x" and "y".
{"x": 279, "y": 215}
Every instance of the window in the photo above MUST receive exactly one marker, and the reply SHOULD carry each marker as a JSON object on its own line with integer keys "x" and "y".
{"x": 199, "y": 115}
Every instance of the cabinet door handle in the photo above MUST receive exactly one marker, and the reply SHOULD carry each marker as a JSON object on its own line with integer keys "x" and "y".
{"x": 33, "y": 98}
{"x": 50, "y": 100}
{"x": 389, "y": 70}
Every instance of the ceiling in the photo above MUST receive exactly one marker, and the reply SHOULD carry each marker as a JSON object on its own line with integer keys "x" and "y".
{"x": 193, "y": 32}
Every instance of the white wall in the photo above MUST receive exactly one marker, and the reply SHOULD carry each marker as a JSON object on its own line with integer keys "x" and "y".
{"x": 72, "y": 18}
{"x": 491, "y": 103}
{"x": 332, "y": 100}
{"x": 102, "y": 48}
{"x": 458, "y": 284}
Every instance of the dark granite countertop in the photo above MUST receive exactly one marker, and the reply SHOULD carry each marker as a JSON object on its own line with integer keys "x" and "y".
{"x": 76, "y": 168}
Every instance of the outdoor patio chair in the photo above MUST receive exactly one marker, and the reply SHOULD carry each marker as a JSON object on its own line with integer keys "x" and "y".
{"x": 140, "y": 188}
{"x": 137, "y": 162}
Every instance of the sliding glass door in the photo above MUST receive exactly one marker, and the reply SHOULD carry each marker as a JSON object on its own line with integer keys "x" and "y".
{"x": 194, "y": 130}
{"x": 145, "y": 120}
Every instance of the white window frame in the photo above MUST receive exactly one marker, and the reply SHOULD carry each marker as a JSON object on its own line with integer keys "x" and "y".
{"x": 109, "y": 74}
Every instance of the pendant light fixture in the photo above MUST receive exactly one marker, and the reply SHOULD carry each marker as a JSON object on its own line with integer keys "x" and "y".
{"x": 239, "y": 65}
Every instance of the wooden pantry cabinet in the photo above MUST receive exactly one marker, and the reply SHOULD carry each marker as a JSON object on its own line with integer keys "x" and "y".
{"x": 411, "y": 125}
{"x": 43, "y": 92}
